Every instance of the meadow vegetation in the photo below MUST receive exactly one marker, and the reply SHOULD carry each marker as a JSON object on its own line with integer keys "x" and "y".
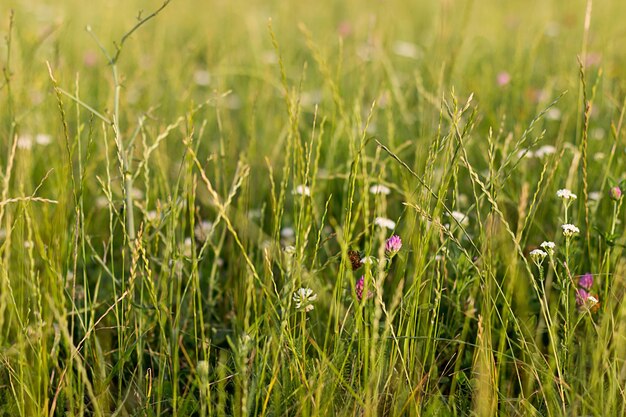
{"x": 275, "y": 208}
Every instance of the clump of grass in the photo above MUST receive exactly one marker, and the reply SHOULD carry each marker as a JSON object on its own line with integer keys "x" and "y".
{"x": 329, "y": 214}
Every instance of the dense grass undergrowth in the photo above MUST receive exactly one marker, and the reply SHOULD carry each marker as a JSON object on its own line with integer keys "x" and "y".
{"x": 272, "y": 208}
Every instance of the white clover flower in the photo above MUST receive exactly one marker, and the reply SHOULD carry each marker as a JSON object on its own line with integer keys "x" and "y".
{"x": 365, "y": 52}
{"x": 569, "y": 230}
{"x": 25, "y": 142}
{"x": 136, "y": 193}
{"x": 102, "y": 202}
{"x": 289, "y": 250}
{"x": 544, "y": 151}
{"x": 461, "y": 218}
{"x": 311, "y": 98}
{"x": 202, "y": 78}
{"x": 379, "y": 189}
{"x": 553, "y": 114}
{"x": 304, "y": 298}
{"x": 385, "y": 223}
{"x": 232, "y": 101}
{"x": 245, "y": 344}
{"x": 302, "y": 190}
{"x": 553, "y": 29}
{"x": 43, "y": 139}
{"x": 525, "y": 153}
{"x": 202, "y": 230}
{"x": 369, "y": 260}
{"x": 254, "y": 214}
{"x": 406, "y": 49}
{"x": 269, "y": 57}
{"x": 177, "y": 266}
{"x": 202, "y": 370}
{"x": 597, "y": 133}
{"x": 595, "y": 196}
{"x": 187, "y": 247}
{"x": 371, "y": 127}
{"x": 538, "y": 255}
{"x": 287, "y": 232}
{"x": 566, "y": 194}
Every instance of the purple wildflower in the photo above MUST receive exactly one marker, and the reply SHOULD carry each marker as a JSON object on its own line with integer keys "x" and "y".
{"x": 615, "y": 193}
{"x": 581, "y": 297}
{"x": 587, "y": 301}
{"x": 360, "y": 284}
{"x": 393, "y": 245}
{"x": 503, "y": 78}
{"x": 586, "y": 281}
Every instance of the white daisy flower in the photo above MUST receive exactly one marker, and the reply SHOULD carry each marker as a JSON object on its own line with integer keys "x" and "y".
{"x": 569, "y": 230}
{"x": 304, "y": 298}
{"x": 379, "y": 189}
{"x": 566, "y": 194}
{"x": 302, "y": 190}
{"x": 385, "y": 223}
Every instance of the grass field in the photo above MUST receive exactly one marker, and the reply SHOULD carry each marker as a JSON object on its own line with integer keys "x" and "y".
{"x": 275, "y": 208}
